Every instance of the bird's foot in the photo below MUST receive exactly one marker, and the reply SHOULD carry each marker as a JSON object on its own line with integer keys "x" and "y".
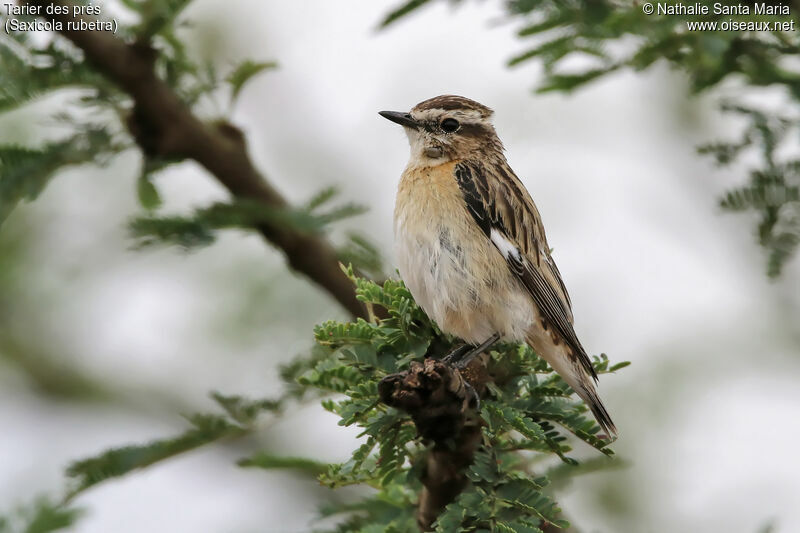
{"x": 456, "y": 354}
{"x": 465, "y": 358}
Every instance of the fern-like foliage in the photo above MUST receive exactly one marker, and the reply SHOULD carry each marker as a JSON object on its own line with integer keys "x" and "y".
{"x": 773, "y": 189}
{"x": 202, "y": 226}
{"x": 237, "y": 419}
{"x": 30, "y": 73}
{"x": 41, "y": 517}
{"x": 528, "y": 416}
{"x": 24, "y": 172}
{"x": 595, "y": 30}
{"x": 530, "y": 422}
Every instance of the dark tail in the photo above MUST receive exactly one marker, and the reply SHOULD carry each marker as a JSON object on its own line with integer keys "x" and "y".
{"x": 579, "y": 378}
{"x": 589, "y": 395}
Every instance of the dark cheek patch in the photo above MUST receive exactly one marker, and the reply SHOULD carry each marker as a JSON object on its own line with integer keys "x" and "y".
{"x": 473, "y": 130}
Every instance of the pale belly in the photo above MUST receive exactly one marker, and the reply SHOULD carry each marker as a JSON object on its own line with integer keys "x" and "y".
{"x": 454, "y": 272}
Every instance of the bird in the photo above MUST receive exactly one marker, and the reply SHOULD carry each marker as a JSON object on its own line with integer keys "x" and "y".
{"x": 471, "y": 247}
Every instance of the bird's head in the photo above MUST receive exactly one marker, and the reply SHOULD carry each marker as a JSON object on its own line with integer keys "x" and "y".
{"x": 447, "y": 128}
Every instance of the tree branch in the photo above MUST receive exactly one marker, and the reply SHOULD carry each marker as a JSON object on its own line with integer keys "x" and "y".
{"x": 441, "y": 405}
{"x": 438, "y": 398}
{"x": 163, "y": 126}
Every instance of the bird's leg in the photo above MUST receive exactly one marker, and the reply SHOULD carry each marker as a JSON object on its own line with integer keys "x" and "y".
{"x": 485, "y": 345}
{"x": 457, "y": 353}
{"x": 463, "y": 359}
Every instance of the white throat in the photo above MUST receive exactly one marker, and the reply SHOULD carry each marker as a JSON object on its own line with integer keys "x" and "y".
{"x": 423, "y": 154}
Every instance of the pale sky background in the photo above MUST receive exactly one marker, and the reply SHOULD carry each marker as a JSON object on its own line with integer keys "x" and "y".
{"x": 708, "y": 412}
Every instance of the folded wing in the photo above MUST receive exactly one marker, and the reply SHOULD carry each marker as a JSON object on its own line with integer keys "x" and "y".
{"x": 505, "y": 212}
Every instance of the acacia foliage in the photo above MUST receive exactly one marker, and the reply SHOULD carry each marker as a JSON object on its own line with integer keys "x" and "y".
{"x": 530, "y": 424}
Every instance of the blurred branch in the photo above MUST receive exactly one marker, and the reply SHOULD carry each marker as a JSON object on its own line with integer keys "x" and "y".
{"x": 51, "y": 376}
{"x": 165, "y": 128}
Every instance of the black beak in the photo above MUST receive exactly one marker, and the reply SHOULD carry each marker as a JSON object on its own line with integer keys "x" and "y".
{"x": 398, "y": 117}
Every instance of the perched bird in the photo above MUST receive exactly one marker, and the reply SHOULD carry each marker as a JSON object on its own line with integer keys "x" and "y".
{"x": 471, "y": 246}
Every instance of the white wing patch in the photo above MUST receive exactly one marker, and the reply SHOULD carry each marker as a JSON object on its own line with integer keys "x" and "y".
{"x": 506, "y": 247}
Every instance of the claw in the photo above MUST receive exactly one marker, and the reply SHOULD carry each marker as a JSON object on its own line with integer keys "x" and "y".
{"x": 475, "y": 400}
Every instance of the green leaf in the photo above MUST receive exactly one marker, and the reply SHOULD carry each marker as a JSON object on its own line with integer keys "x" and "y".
{"x": 336, "y": 334}
{"x": 245, "y": 411}
{"x": 472, "y": 503}
{"x": 158, "y": 16}
{"x": 244, "y": 72}
{"x": 200, "y": 228}
{"x": 185, "y": 232}
{"x": 322, "y": 197}
{"x": 531, "y": 430}
{"x": 619, "y": 366}
{"x": 362, "y": 254}
{"x": 549, "y": 52}
{"x": 147, "y": 193}
{"x": 516, "y": 527}
{"x": 52, "y": 518}
{"x": 268, "y": 461}
{"x": 483, "y": 468}
{"x": 569, "y": 82}
{"x": 402, "y": 10}
{"x": 120, "y": 461}
{"x": 30, "y": 73}
{"x": 40, "y": 517}
{"x": 526, "y": 497}
{"x": 24, "y": 172}
{"x": 517, "y": 420}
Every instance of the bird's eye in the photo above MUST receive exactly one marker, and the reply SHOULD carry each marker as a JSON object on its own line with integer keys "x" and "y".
{"x": 449, "y": 125}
